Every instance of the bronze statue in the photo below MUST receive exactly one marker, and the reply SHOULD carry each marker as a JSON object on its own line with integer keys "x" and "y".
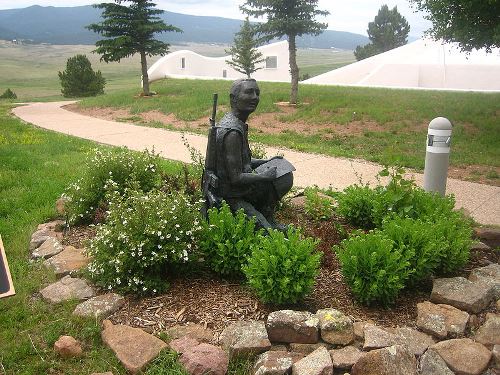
{"x": 231, "y": 174}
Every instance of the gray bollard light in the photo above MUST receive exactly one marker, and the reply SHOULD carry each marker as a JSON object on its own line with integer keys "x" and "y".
{"x": 437, "y": 155}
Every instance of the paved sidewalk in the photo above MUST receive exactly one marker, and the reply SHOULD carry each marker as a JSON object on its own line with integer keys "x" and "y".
{"x": 481, "y": 201}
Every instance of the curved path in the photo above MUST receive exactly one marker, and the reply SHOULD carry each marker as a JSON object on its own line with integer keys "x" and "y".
{"x": 481, "y": 201}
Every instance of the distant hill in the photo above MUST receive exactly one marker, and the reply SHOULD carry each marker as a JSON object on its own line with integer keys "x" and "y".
{"x": 66, "y": 25}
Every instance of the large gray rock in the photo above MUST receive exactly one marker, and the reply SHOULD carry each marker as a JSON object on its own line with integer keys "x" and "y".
{"x": 193, "y": 330}
{"x": 376, "y": 338}
{"x": 245, "y": 338}
{"x": 69, "y": 260}
{"x": 441, "y": 320}
{"x": 489, "y": 333}
{"x": 132, "y": 346}
{"x": 205, "y": 359}
{"x": 393, "y": 360}
{"x": 318, "y": 362}
{"x": 293, "y": 326}
{"x": 346, "y": 357}
{"x": 100, "y": 307}
{"x": 488, "y": 275}
{"x": 432, "y": 364}
{"x": 462, "y": 294}
{"x": 66, "y": 289}
{"x": 48, "y": 249}
{"x": 38, "y": 238}
{"x": 417, "y": 342}
{"x": 335, "y": 327}
{"x": 275, "y": 363}
{"x": 463, "y": 356}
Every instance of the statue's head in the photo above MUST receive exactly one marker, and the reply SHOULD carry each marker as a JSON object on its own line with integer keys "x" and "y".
{"x": 244, "y": 95}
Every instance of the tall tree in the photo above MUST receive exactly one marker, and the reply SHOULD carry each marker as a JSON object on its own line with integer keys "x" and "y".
{"x": 388, "y": 30}
{"x": 290, "y": 18}
{"x": 471, "y": 23}
{"x": 129, "y": 30}
{"x": 244, "y": 53}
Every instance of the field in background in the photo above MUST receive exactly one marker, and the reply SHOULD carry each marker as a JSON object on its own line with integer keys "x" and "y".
{"x": 31, "y": 70}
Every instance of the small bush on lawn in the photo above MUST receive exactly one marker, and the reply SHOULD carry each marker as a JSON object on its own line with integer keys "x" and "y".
{"x": 8, "y": 94}
{"x": 282, "y": 268}
{"x": 145, "y": 235}
{"x": 375, "y": 271}
{"x": 227, "y": 240}
{"x": 79, "y": 79}
{"x": 121, "y": 167}
{"x": 318, "y": 207}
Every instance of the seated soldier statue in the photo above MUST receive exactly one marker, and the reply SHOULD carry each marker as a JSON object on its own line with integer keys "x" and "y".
{"x": 232, "y": 175}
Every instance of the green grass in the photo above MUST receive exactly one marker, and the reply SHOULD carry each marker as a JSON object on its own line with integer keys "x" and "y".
{"x": 395, "y": 120}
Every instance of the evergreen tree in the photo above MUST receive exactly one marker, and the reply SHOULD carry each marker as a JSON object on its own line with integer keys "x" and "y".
{"x": 129, "y": 30}
{"x": 244, "y": 53}
{"x": 290, "y": 19}
{"x": 471, "y": 23}
{"x": 79, "y": 79}
{"x": 388, "y": 30}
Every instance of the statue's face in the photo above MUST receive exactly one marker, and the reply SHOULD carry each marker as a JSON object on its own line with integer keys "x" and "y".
{"x": 248, "y": 97}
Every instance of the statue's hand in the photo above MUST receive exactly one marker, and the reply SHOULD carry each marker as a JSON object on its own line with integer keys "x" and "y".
{"x": 277, "y": 157}
{"x": 269, "y": 173}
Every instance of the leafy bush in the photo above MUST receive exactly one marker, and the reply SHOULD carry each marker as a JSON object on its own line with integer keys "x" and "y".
{"x": 79, "y": 79}
{"x": 317, "y": 206}
{"x": 355, "y": 204}
{"x": 282, "y": 268}
{"x": 227, "y": 240}
{"x": 8, "y": 94}
{"x": 375, "y": 271}
{"x": 120, "y": 167}
{"x": 144, "y": 237}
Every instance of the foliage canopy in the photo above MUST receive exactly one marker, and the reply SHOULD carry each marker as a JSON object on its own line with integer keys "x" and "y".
{"x": 79, "y": 79}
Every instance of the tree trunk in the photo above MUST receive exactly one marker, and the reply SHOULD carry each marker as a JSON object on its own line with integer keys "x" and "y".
{"x": 294, "y": 69}
{"x": 145, "y": 78}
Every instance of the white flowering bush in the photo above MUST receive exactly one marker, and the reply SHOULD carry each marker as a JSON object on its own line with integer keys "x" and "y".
{"x": 144, "y": 237}
{"x": 120, "y": 167}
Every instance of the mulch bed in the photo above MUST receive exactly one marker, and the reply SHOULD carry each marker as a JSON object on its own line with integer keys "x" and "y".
{"x": 204, "y": 298}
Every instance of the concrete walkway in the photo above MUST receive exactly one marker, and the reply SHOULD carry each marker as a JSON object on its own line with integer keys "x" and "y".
{"x": 481, "y": 201}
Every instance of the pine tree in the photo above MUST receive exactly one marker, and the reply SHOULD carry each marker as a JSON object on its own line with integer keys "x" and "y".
{"x": 129, "y": 30}
{"x": 79, "y": 79}
{"x": 388, "y": 30}
{"x": 290, "y": 19}
{"x": 244, "y": 54}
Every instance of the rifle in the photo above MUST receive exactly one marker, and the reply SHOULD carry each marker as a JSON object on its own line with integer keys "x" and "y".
{"x": 210, "y": 181}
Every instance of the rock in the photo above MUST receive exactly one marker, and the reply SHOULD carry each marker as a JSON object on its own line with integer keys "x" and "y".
{"x": 496, "y": 356}
{"x": 441, "y": 320}
{"x": 100, "y": 307}
{"x": 275, "y": 363}
{"x": 359, "y": 329}
{"x": 498, "y": 305}
{"x": 346, "y": 357}
{"x": 478, "y": 246}
{"x": 38, "y": 238}
{"x": 432, "y": 364}
{"x": 462, "y": 294}
{"x": 52, "y": 226}
{"x": 489, "y": 275}
{"x": 69, "y": 260}
{"x": 193, "y": 330}
{"x": 61, "y": 206}
{"x": 393, "y": 360}
{"x": 279, "y": 348}
{"x": 245, "y": 338}
{"x": 298, "y": 201}
{"x": 183, "y": 344}
{"x": 490, "y": 236}
{"x": 47, "y": 249}
{"x": 307, "y": 348}
{"x": 293, "y": 326}
{"x": 489, "y": 333}
{"x": 335, "y": 327}
{"x": 67, "y": 347}
{"x": 132, "y": 346}
{"x": 66, "y": 289}
{"x": 205, "y": 359}
{"x": 318, "y": 362}
{"x": 463, "y": 356}
{"x": 376, "y": 338}
{"x": 102, "y": 373}
{"x": 417, "y": 342}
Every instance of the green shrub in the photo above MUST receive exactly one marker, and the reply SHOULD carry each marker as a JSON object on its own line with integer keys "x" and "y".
{"x": 282, "y": 268}
{"x": 227, "y": 240}
{"x": 375, "y": 271}
{"x": 318, "y": 207}
{"x": 8, "y": 94}
{"x": 355, "y": 204}
{"x": 144, "y": 237}
{"x": 79, "y": 79}
{"x": 119, "y": 167}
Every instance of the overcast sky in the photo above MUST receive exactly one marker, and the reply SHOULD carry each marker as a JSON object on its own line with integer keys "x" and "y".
{"x": 346, "y": 15}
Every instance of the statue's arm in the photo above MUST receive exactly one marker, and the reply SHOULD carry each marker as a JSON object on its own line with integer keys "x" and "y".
{"x": 234, "y": 164}
{"x": 256, "y": 162}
